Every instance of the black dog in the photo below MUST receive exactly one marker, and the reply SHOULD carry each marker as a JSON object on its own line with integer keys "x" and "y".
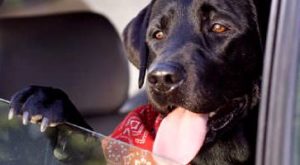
{"x": 204, "y": 56}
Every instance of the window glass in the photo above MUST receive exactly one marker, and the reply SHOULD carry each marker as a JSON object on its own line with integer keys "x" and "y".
{"x": 65, "y": 144}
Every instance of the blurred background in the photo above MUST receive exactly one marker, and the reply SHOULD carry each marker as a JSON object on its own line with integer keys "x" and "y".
{"x": 74, "y": 45}
{"x": 118, "y": 12}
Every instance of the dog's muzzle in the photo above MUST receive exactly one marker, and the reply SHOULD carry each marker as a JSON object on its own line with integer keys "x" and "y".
{"x": 165, "y": 77}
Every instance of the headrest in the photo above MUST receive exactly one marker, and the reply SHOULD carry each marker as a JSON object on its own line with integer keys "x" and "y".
{"x": 80, "y": 53}
{"x": 35, "y": 8}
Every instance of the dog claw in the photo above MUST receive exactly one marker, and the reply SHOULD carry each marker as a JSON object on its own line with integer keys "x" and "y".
{"x": 44, "y": 125}
{"x": 35, "y": 119}
{"x": 25, "y": 118}
{"x": 11, "y": 114}
{"x": 53, "y": 124}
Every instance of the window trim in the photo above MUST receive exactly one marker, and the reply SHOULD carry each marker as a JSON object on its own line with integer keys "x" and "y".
{"x": 276, "y": 119}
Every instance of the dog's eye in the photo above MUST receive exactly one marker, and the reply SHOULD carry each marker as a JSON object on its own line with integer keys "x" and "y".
{"x": 218, "y": 28}
{"x": 159, "y": 35}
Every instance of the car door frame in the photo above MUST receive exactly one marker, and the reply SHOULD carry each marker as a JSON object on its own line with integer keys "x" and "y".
{"x": 278, "y": 104}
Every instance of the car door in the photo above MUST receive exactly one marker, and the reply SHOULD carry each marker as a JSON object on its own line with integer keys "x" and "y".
{"x": 279, "y": 123}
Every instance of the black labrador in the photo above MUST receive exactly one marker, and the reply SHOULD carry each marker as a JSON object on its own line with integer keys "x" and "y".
{"x": 203, "y": 56}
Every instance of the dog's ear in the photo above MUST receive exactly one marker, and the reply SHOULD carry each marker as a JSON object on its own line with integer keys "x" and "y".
{"x": 134, "y": 37}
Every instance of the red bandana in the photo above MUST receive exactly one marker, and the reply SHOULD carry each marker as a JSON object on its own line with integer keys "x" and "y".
{"x": 139, "y": 127}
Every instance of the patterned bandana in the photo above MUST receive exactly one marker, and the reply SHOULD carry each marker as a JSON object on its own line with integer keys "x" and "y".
{"x": 139, "y": 127}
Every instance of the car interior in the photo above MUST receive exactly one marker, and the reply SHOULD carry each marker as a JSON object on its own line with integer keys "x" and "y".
{"x": 79, "y": 52}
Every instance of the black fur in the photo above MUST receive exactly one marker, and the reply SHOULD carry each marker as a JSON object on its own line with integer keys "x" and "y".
{"x": 222, "y": 71}
{"x": 47, "y": 102}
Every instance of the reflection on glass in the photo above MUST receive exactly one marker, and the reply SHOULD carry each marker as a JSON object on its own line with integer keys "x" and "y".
{"x": 65, "y": 144}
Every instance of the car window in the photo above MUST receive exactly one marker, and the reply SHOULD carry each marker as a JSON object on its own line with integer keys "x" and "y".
{"x": 65, "y": 144}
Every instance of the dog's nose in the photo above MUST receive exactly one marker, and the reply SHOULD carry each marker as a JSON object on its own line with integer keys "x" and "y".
{"x": 165, "y": 77}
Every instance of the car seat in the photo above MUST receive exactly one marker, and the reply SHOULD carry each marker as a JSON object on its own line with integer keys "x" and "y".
{"x": 79, "y": 52}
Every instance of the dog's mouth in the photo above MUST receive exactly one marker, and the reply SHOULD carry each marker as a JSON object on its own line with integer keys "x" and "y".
{"x": 181, "y": 134}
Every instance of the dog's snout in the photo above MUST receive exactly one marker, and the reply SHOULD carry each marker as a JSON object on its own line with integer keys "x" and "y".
{"x": 165, "y": 77}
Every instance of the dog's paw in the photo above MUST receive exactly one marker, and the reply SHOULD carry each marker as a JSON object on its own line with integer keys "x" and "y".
{"x": 44, "y": 105}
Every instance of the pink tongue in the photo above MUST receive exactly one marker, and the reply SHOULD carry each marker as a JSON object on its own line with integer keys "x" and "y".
{"x": 180, "y": 135}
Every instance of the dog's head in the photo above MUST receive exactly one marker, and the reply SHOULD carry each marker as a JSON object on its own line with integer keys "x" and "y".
{"x": 204, "y": 56}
